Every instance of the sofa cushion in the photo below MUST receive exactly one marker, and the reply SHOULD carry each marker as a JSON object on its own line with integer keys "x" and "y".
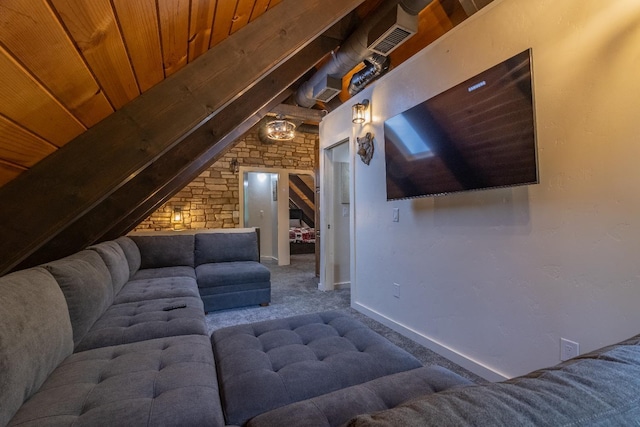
{"x": 336, "y": 408}
{"x": 165, "y": 251}
{"x": 35, "y": 335}
{"x": 155, "y": 273}
{"x": 226, "y": 247}
{"x": 598, "y": 389}
{"x": 225, "y": 300}
{"x": 132, "y": 253}
{"x": 266, "y": 365}
{"x": 144, "y": 320}
{"x": 86, "y": 284}
{"x": 116, "y": 262}
{"x": 150, "y": 289}
{"x": 161, "y": 382}
{"x": 231, "y": 273}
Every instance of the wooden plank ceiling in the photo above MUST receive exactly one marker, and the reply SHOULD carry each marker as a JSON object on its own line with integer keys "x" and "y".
{"x": 98, "y": 95}
{"x": 176, "y": 120}
{"x": 68, "y": 64}
{"x": 141, "y": 195}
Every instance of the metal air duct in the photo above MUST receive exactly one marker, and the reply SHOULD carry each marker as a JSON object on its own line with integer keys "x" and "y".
{"x": 374, "y": 67}
{"x": 384, "y": 25}
{"x": 391, "y": 31}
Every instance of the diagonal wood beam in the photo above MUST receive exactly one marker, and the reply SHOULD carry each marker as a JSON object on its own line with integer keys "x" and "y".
{"x": 42, "y": 202}
{"x": 303, "y": 187}
{"x": 164, "y": 194}
{"x": 302, "y": 204}
{"x": 143, "y": 194}
{"x": 194, "y": 170}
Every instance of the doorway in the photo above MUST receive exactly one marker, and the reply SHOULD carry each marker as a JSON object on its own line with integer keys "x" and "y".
{"x": 264, "y": 195}
{"x": 336, "y": 272}
{"x": 303, "y": 244}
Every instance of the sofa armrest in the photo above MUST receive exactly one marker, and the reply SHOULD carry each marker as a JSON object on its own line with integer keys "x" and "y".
{"x": 338, "y": 407}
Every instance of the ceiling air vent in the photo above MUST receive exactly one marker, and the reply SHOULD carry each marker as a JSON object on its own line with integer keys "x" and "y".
{"x": 327, "y": 89}
{"x": 391, "y": 31}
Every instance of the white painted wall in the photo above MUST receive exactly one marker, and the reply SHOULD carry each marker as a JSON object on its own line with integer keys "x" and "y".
{"x": 341, "y": 218}
{"x": 262, "y": 211}
{"x": 273, "y": 188}
{"x": 493, "y": 279}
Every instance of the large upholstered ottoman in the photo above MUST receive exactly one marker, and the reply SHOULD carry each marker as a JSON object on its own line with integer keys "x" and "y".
{"x": 266, "y": 365}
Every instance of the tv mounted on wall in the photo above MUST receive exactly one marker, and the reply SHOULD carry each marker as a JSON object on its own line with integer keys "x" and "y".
{"x": 479, "y": 134}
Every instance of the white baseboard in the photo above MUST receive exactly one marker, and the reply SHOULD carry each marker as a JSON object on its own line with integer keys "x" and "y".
{"x": 444, "y": 351}
{"x": 342, "y": 285}
{"x": 336, "y": 286}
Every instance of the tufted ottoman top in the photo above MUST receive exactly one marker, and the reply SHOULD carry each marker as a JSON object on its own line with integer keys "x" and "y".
{"x": 266, "y": 365}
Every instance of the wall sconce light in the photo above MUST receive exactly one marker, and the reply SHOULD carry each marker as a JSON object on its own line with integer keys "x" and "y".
{"x": 177, "y": 214}
{"x": 233, "y": 165}
{"x": 359, "y": 112}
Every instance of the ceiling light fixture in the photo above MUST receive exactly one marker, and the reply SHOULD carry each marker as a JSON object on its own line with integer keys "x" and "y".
{"x": 281, "y": 129}
{"x": 359, "y": 112}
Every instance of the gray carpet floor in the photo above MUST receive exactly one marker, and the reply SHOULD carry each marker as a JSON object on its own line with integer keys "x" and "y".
{"x": 294, "y": 290}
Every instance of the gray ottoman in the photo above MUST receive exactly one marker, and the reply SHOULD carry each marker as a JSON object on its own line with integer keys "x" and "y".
{"x": 266, "y": 365}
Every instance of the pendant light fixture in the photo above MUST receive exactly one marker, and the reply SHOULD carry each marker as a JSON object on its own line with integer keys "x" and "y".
{"x": 281, "y": 129}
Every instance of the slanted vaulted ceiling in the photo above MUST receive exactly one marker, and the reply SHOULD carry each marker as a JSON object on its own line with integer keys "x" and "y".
{"x": 65, "y": 65}
{"x": 68, "y": 64}
{"x": 120, "y": 103}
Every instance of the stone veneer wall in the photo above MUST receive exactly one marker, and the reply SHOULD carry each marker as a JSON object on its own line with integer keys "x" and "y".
{"x": 212, "y": 199}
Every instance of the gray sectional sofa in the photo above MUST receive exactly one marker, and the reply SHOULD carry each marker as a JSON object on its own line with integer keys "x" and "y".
{"x": 115, "y": 335}
{"x": 93, "y": 339}
{"x": 225, "y": 264}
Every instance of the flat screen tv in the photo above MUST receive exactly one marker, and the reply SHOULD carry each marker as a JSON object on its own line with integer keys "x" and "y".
{"x": 476, "y": 135}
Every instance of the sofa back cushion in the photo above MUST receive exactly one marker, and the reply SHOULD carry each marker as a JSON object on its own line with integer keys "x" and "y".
{"x": 86, "y": 284}
{"x": 157, "y": 251}
{"x": 132, "y": 253}
{"x": 116, "y": 262}
{"x": 601, "y": 388}
{"x": 35, "y": 335}
{"x": 226, "y": 247}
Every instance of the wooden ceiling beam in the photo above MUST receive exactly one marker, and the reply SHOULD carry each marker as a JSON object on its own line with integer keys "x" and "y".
{"x": 299, "y": 113}
{"x": 63, "y": 187}
{"x": 143, "y": 194}
{"x": 165, "y": 193}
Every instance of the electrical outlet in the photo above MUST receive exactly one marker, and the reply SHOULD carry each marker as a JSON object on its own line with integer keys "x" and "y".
{"x": 396, "y": 290}
{"x": 396, "y": 214}
{"x": 568, "y": 349}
